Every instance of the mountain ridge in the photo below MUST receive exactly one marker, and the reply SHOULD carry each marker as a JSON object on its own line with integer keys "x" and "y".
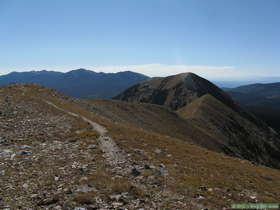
{"x": 193, "y": 85}
{"x": 79, "y": 83}
{"x": 176, "y": 91}
{"x": 258, "y": 94}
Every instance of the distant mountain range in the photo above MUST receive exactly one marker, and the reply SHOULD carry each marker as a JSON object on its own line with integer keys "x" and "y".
{"x": 245, "y": 81}
{"x": 79, "y": 83}
{"x": 257, "y": 94}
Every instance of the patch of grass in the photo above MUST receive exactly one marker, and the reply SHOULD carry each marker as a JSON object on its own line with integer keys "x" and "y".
{"x": 85, "y": 198}
{"x": 108, "y": 185}
{"x": 120, "y": 185}
{"x": 147, "y": 173}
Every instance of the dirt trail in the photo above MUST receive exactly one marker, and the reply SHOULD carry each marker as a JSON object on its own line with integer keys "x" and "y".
{"x": 112, "y": 152}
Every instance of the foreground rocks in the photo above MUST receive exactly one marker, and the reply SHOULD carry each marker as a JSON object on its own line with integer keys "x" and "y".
{"x": 48, "y": 162}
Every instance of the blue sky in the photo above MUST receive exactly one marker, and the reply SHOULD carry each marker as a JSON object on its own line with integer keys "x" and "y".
{"x": 214, "y": 38}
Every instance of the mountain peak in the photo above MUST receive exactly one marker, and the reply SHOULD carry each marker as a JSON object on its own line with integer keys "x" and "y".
{"x": 81, "y": 70}
{"x": 185, "y": 75}
{"x": 174, "y": 91}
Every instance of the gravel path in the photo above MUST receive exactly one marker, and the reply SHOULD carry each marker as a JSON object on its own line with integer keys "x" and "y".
{"x": 112, "y": 152}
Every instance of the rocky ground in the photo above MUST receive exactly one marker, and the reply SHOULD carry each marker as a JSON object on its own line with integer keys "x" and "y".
{"x": 52, "y": 158}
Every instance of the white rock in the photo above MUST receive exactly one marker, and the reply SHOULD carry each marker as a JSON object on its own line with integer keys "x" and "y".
{"x": 92, "y": 146}
{"x": 25, "y": 186}
{"x": 115, "y": 197}
{"x": 253, "y": 196}
{"x": 13, "y": 156}
{"x": 25, "y": 147}
{"x": 6, "y": 152}
{"x": 85, "y": 188}
{"x": 2, "y": 172}
{"x": 34, "y": 196}
{"x": 117, "y": 204}
{"x": 157, "y": 151}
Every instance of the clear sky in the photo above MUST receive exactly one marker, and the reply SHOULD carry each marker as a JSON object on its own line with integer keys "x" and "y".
{"x": 215, "y": 38}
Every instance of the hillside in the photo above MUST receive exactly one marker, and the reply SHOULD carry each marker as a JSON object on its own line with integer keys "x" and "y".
{"x": 57, "y": 155}
{"x": 79, "y": 83}
{"x": 150, "y": 117}
{"x": 235, "y": 134}
{"x": 260, "y": 99}
{"x": 213, "y": 126}
{"x": 269, "y": 115}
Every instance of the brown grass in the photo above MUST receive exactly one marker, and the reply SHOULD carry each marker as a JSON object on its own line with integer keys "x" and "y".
{"x": 151, "y": 117}
{"x": 108, "y": 185}
{"x": 192, "y": 166}
{"x": 85, "y": 198}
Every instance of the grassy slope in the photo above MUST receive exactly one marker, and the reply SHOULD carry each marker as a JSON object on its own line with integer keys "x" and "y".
{"x": 191, "y": 166}
{"x": 152, "y": 118}
{"x": 234, "y": 133}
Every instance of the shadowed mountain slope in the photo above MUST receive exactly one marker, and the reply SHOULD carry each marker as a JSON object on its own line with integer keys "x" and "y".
{"x": 269, "y": 115}
{"x": 263, "y": 100}
{"x": 79, "y": 83}
{"x": 237, "y": 135}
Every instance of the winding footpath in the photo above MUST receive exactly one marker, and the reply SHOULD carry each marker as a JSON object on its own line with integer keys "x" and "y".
{"x": 112, "y": 152}
{"x": 119, "y": 161}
